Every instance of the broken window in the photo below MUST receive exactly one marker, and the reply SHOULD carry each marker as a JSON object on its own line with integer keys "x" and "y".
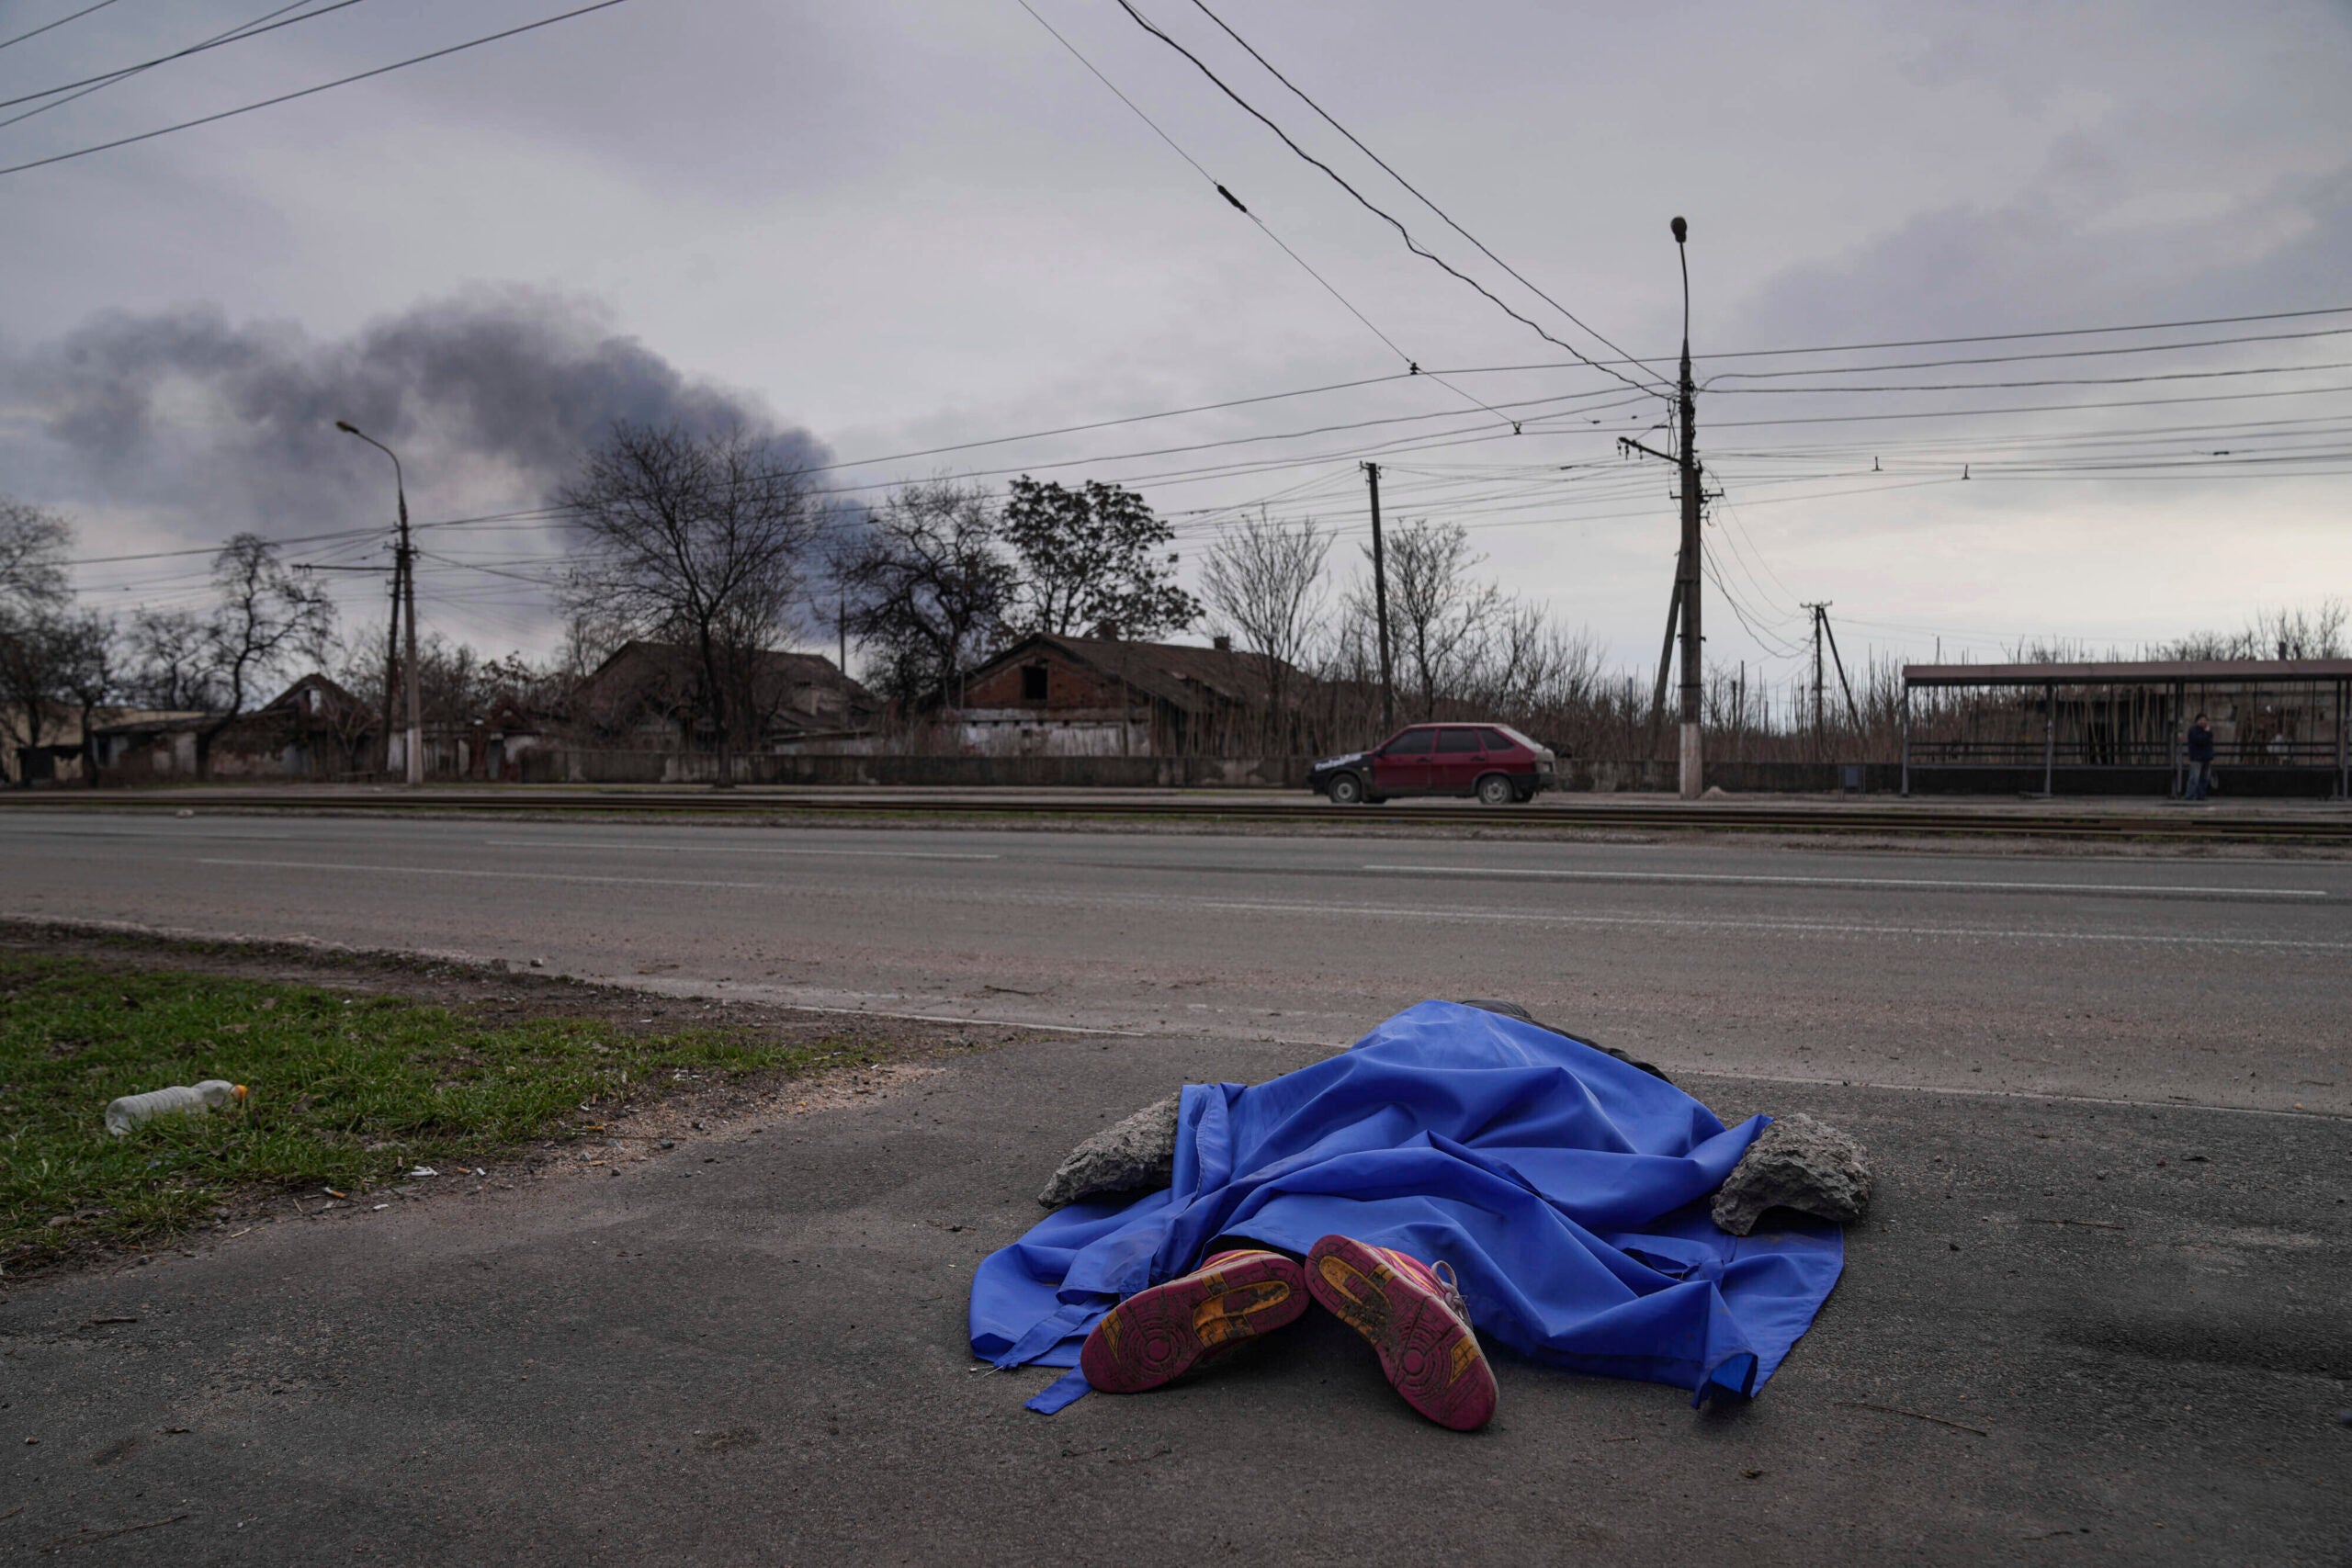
{"x": 1033, "y": 683}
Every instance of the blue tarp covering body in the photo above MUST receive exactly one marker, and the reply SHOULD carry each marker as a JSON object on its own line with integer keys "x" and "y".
{"x": 1567, "y": 1188}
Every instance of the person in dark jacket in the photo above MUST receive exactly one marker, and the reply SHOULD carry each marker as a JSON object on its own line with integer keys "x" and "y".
{"x": 2200, "y": 759}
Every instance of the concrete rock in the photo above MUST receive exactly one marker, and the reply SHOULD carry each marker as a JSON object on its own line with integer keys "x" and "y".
{"x": 1137, "y": 1154}
{"x": 1513, "y": 1009}
{"x": 1800, "y": 1164}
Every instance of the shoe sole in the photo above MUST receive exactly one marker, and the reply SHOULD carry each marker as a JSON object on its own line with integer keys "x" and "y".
{"x": 1430, "y": 1355}
{"x": 1161, "y": 1334}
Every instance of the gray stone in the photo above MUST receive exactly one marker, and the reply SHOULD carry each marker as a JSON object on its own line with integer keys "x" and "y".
{"x": 1799, "y": 1163}
{"x": 1513, "y": 1009}
{"x": 1137, "y": 1154}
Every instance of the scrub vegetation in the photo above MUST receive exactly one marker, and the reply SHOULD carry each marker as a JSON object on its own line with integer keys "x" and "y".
{"x": 348, "y": 1091}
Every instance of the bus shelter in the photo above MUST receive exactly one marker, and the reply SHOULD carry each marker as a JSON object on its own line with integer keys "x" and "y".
{"x": 2278, "y": 725}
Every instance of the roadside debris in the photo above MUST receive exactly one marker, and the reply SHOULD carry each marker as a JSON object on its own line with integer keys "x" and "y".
{"x": 1800, "y": 1163}
{"x": 131, "y": 1110}
{"x": 1137, "y": 1154}
{"x": 1915, "y": 1415}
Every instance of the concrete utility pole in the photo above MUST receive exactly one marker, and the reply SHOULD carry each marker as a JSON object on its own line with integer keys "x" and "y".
{"x": 1380, "y": 608}
{"x": 1693, "y": 690}
{"x": 404, "y": 566}
{"x": 1682, "y": 613}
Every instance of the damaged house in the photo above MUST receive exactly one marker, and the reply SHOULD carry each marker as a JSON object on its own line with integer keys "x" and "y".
{"x": 648, "y": 696}
{"x": 1073, "y": 696}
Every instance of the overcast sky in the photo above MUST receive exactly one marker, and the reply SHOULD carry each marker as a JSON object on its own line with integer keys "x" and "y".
{"x": 886, "y": 227}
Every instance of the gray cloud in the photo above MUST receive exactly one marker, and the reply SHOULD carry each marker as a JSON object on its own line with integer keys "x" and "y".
{"x": 204, "y": 425}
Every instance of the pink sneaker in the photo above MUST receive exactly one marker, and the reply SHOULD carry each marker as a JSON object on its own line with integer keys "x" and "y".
{"x": 1161, "y": 1334}
{"x": 1414, "y": 1315}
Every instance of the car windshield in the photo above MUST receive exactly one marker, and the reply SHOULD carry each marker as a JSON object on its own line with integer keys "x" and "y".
{"x": 1518, "y": 738}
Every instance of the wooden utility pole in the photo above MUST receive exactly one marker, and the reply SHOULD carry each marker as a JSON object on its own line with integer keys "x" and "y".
{"x": 1820, "y": 612}
{"x": 1380, "y": 608}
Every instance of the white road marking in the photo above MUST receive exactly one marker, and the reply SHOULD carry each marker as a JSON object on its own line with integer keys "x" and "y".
{"x": 1966, "y": 1093}
{"x": 1498, "y": 917}
{"x": 1938, "y": 883}
{"x": 727, "y": 849}
{"x": 493, "y": 875}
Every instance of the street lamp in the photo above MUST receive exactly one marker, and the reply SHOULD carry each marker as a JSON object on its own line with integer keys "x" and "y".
{"x": 405, "y": 598}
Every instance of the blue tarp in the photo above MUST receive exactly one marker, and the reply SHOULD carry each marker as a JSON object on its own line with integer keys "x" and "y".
{"x": 1567, "y": 1188}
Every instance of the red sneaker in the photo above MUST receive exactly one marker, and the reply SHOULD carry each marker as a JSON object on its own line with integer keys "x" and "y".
{"x": 1161, "y": 1334}
{"x": 1414, "y": 1315}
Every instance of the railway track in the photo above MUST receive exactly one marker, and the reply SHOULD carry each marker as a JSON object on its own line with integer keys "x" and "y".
{"x": 1842, "y": 820}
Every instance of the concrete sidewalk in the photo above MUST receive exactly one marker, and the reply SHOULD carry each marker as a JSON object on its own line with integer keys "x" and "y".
{"x": 2068, "y": 1332}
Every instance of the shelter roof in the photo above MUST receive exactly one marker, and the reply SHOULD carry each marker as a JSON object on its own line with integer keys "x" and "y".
{"x": 2148, "y": 673}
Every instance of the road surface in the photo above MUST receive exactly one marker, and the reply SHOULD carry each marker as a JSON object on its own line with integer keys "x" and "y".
{"x": 2171, "y": 979}
{"x": 2096, "y": 1314}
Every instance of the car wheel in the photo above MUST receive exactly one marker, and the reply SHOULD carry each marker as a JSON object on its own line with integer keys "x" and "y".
{"x": 1347, "y": 790}
{"x": 1495, "y": 790}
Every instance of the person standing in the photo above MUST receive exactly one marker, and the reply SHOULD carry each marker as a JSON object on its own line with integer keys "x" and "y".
{"x": 2200, "y": 759}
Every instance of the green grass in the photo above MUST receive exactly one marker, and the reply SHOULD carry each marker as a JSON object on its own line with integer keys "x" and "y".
{"x": 346, "y": 1091}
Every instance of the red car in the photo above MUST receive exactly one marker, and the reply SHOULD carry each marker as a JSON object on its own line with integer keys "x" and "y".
{"x": 1492, "y": 761}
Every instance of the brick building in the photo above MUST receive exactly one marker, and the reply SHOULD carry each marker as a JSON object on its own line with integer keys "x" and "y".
{"x": 1072, "y": 697}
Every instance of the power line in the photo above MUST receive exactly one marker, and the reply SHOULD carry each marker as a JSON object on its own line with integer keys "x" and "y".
{"x": 2021, "y": 358}
{"x": 306, "y": 92}
{"x": 1409, "y": 185}
{"x": 1413, "y": 366}
{"x": 103, "y": 83}
{"x": 234, "y": 34}
{"x": 1713, "y": 357}
{"x": 2047, "y": 381}
{"x": 61, "y": 21}
{"x": 1410, "y": 243}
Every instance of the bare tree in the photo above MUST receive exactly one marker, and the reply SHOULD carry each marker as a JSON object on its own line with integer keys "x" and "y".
{"x": 169, "y": 653}
{"x": 266, "y": 618}
{"x": 33, "y": 543}
{"x": 927, "y": 587}
{"x": 1439, "y": 613}
{"x": 703, "y": 541}
{"x": 92, "y": 677}
{"x": 1264, "y": 584}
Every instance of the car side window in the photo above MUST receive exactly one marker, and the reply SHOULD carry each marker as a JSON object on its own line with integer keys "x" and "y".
{"x": 1497, "y": 740}
{"x": 1457, "y": 740}
{"x": 1412, "y": 743}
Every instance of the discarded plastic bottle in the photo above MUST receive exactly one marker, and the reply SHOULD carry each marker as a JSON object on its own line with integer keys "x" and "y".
{"x": 128, "y": 1112}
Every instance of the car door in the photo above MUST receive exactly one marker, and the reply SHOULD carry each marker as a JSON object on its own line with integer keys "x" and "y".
{"x": 1402, "y": 767}
{"x": 1461, "y": 756}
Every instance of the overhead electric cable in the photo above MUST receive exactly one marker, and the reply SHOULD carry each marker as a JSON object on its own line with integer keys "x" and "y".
{"x": 61, "y": 21}
{"x": 103, "y": 83}
{"x": 2046, "y": 381}
{"x": 1448, "y": 218}
{"x": 2029, "y": 407}
{"x": 1410, "y": 243}
{"x": 234, "y": 34}
{"x": 2021, "y": 359}
{"x": 306, "y": 92}
{"x": 1413, "y": 366}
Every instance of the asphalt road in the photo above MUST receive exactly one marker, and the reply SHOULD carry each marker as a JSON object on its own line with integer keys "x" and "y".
{"x": 2170, "y": 980}
{"x": 2098, "y": 1312}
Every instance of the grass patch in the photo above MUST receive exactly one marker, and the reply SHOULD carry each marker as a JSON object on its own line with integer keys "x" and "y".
{"x": 346, "y": 1091}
